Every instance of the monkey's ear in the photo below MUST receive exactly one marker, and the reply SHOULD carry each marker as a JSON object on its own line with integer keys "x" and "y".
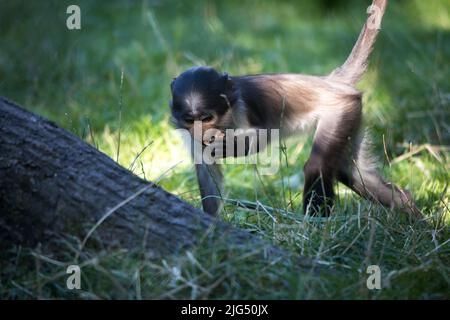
{"x": 172, "y": 83}
{"x": 228, "y": 83}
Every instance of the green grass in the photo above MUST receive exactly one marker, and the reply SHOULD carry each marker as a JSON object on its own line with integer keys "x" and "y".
{"x": 74, "y": 78}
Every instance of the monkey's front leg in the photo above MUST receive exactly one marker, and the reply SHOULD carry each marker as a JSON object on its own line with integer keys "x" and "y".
{"x": 209, "y": 177}
{"x": 216, "y": 145}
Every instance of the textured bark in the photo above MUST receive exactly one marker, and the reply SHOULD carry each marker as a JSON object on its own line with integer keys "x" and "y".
{"x": 52, "y": 184}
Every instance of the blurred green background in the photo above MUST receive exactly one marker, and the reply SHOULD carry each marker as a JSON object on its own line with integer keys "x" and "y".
{"x": 74, "y": 78}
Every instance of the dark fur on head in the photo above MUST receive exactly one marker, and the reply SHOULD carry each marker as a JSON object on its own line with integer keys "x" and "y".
{"x": 200, "y": 93}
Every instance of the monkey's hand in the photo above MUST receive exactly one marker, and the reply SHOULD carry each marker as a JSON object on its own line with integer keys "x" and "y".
{"x": 234, "y": 143}
{"x": 213, "y": 136}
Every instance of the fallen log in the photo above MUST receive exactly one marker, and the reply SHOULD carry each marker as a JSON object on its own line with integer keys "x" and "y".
{"x": 53, "y": 184}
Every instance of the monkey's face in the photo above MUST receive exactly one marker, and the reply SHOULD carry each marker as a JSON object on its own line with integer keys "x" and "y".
{"x": 201, "y": 99}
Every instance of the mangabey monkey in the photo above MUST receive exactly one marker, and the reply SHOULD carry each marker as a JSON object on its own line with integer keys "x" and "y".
{"x": 339, "y": 150}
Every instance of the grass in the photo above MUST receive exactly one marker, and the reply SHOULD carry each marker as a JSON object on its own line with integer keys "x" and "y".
{"x": 109, "y": 82}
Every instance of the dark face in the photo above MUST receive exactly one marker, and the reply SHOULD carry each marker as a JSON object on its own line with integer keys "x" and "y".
{"x": 200, "y": 94}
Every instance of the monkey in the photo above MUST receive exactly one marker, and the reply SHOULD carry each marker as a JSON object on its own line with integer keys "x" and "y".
{"x": 292, "y": 102}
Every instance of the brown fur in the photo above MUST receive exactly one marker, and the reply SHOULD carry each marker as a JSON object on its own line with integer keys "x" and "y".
{"x": 293, "y": 102}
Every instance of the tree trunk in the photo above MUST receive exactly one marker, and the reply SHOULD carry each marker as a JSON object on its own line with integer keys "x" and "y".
{"x": 53, "y": 184}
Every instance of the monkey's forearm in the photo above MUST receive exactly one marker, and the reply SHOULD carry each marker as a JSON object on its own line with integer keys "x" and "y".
{"x": 209, "y": 179}
{"x": 239, "y": 144}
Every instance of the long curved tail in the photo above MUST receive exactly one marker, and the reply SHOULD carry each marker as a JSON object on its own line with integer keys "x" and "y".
{"x": 356, "y": 64}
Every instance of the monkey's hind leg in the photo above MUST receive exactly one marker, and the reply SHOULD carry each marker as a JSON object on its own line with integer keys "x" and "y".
{"x": 363, "y": 177}
{"x": 336, "y": 129}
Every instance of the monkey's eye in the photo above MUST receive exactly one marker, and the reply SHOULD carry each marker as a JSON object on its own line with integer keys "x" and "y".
{"x": 189, "y": 120}
{"x": 207, "y": 118}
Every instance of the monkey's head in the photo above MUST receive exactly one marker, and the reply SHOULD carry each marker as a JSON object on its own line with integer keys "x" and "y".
{"x": 202, "y": 94}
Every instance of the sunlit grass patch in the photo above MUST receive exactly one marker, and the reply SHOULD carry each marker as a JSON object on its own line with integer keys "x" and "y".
{"x": 75, "y": 80}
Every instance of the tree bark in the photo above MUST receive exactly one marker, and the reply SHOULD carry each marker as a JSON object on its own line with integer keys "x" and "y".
{"x": 53, "y": 184}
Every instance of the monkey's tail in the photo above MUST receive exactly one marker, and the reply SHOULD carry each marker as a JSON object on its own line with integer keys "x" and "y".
{"x": 356, "y": 64}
